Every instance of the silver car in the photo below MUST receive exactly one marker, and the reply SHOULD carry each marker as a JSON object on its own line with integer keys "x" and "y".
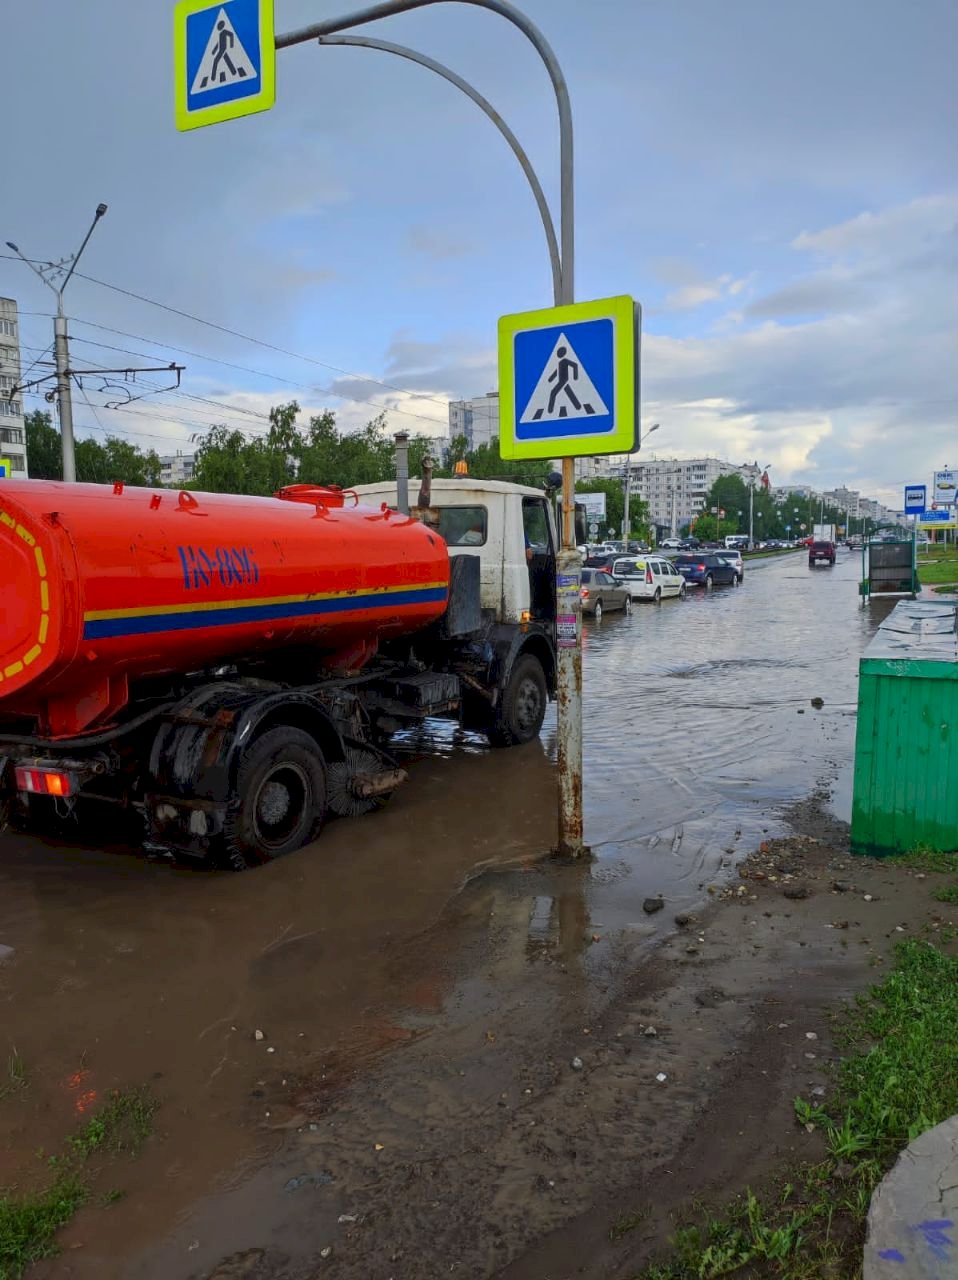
{"x": 601, "y": 593}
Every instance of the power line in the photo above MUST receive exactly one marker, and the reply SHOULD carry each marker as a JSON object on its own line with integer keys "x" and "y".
{"x": 310, "y": 388}
{"x": 259, "y": 342}
{"x": 269, "y": 346}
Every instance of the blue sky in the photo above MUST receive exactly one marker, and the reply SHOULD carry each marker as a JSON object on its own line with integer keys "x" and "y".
{"x": 775, "y": 183}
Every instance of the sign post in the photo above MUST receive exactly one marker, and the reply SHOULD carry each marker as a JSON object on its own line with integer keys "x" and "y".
{"x": 568, "y": 388}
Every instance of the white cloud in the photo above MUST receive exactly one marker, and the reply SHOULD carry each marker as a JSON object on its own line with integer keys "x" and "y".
{"x": 900, "y": 228}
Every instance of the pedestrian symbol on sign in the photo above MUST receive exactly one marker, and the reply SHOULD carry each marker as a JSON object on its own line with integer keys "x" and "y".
{"x": 225, "y": 61}
{"x": 564, "y": 389}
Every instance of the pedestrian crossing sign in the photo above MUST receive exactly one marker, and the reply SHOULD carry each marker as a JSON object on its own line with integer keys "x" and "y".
{"x": 568, "y": 380}
{"x": 224, "y": 60}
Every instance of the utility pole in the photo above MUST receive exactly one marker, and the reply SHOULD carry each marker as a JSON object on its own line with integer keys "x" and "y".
{"x": 48, "y": 272}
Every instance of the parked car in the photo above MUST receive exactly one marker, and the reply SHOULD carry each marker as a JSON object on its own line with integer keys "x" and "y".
{"x": 705, "y": 569}
{"x": 734, "y": 556}
{"x": 670, "y": 544}
{"x": 649, "y": 577}
{"x": 821, "y": 551}
{"x": 602, "y": 560}
{"x": 600, "y": 593}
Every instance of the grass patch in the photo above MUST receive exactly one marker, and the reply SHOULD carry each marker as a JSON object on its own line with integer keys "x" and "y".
{"x": 950, "y": 894}
{"x": 900, "y": 1078}
{"x": 947, "y": 590}
{"x": 939, "y": 569}
{"x": 16, "y": 1076}
{"x": 123, "y": 1125}
{"x": 924, "y": 858}
{"x": 29, "y": 1223}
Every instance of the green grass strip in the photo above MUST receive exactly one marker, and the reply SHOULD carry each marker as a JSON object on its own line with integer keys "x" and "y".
{"x": 900, "y": 1078}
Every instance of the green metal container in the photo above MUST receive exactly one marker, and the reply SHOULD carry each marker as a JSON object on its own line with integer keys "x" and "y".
{"x": 906, "y": 749}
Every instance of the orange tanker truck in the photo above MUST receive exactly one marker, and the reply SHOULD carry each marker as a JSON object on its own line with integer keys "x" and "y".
{"x": 229, "y": 669}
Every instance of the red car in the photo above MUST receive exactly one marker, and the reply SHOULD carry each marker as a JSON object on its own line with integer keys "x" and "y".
{"x": 820, "y": 551}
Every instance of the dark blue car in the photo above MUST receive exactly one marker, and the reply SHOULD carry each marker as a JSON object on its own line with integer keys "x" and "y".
{"x": 705, "y": 569}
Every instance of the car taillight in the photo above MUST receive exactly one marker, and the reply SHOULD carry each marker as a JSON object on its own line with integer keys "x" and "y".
{"x": 701, "y": 568}
{"x": 585, "y": 593}
{"x": 45, "y": 782}
{"x": 648, "y": 575}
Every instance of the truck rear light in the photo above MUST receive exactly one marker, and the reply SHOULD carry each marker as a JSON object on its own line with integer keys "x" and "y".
{"x": 45, "y": 782}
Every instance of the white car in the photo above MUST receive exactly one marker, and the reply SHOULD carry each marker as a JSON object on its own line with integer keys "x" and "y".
{"x": 734, "y": 557}
{"x": 649, "y": 577}
{"x": 671, "y": 544}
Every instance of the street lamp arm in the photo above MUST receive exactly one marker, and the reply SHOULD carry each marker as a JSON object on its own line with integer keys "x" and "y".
{"x": 401, "y": 51}
{"x": 388, "y": 8}
{"x": 101, "y": 209}
{"x": 33, "y": 267}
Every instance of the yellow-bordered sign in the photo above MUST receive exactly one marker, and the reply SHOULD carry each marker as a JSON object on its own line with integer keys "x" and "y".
{"x": 569, "y": 380}
{"x": 224, "y": 60}
{"x": 5, "y": 468}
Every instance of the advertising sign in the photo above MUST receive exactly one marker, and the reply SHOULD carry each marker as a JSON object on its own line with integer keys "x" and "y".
{"x": 946, "y": 487}
{"x": 594, "y": 504}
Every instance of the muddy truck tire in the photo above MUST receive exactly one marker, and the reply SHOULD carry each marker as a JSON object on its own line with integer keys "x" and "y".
{"x": 280, "y": 800}
{"x": 522, "y": 707}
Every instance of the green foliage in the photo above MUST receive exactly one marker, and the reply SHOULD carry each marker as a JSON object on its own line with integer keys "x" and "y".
{"x": 899, "y": 1079}
{"x": 316, "y": 453}
{"x": 29, "y": 1222}
{"x": 44, "y": 451}
{"x": 124, "y": 1124}
{"x": 114, "y": 459}
{"x": 949, "y": 894}
{"x": 924, "y": 858}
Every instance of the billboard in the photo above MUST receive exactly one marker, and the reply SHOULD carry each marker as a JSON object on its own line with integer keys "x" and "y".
{"x": 594, "y": 504}
{"x": 946, "y": 487}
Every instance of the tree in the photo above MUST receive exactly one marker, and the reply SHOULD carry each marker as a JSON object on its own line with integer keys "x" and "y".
{"x": 44, "y": 448}
{"x": 115, "y": 459}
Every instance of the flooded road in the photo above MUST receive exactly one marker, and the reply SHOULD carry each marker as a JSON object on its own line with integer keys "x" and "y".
{"x": 699, "y": 731}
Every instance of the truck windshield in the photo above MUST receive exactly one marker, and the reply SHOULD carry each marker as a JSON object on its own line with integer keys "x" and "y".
{"x": 463, "y": 526}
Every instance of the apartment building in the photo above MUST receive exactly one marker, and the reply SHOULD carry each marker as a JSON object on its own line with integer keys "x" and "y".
{"x": 476, "y": 419}
{"x": 13, "y": 441}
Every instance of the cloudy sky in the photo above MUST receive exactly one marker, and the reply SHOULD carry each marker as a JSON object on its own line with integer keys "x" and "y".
{"x": 776, "y": 183}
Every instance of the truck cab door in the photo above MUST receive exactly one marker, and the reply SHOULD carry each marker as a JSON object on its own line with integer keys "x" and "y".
{"x": 540, "y": 547}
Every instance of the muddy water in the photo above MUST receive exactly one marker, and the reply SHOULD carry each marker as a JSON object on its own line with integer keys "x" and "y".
{"x": 126, "y": 971}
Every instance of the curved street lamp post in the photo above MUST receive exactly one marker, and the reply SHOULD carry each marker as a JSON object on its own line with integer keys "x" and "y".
{"x": 562, "y": 260}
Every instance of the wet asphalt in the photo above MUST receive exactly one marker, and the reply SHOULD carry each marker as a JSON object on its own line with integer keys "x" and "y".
{"x": 699, "y": 732}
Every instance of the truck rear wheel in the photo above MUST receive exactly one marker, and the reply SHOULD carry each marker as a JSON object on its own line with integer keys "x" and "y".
{"x": 280, "y": 797}
{"x": 522, "y": 707}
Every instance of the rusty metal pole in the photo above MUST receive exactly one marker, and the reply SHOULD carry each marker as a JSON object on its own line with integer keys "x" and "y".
{"x": 569, "y": 675}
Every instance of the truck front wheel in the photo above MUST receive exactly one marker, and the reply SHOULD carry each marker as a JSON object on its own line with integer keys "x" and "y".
{"x": 522, "y": 706}
{"x": 280, "y": 798}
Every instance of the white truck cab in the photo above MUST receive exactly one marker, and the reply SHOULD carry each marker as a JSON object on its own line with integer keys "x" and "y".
{"x": 509, "y": 527}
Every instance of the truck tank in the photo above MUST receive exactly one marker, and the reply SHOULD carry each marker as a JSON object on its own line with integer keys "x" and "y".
{"x": 103, "y": 586}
